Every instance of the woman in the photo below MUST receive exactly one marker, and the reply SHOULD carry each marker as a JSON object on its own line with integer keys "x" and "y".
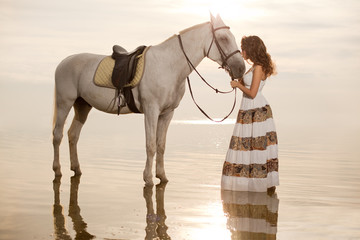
{"x": 251, "y": 162}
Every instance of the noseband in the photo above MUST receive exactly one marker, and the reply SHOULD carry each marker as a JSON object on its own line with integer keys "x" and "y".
{"x": 224, "y": 58}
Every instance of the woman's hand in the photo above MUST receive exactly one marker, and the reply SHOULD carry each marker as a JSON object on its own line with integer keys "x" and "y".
{"x": 235, "y": 84}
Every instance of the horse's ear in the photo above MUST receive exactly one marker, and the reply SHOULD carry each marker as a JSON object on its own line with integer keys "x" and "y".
{"x": 212, "y": 18}
{"x": 216, "y": 21}
{"x": 219, "y": 21}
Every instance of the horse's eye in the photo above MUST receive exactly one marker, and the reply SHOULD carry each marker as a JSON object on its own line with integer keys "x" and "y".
{"x": 224, "y": 39}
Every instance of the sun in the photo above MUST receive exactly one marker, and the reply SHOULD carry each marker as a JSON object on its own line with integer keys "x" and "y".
{"x": 227, "y": 9}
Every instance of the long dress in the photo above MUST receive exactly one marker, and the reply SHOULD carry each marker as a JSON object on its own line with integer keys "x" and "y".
{"x": 251, "y": 162}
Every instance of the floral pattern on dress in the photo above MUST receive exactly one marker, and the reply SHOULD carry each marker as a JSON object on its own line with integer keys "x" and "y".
{"x": 251, "y": 170}
{"x": 250, "y": 143}
{"x": 254, "y": 115}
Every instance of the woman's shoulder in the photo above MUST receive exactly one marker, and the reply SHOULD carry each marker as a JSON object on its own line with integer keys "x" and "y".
{"x": 258, "y": 69}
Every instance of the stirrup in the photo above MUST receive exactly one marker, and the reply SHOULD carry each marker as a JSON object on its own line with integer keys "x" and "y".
{"x": 121, "y": 102}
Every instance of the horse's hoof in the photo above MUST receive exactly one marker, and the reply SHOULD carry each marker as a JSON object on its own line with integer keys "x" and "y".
{"x": 57, "y": 172}
{"x": 149, "y": 183}
{"x": 163, "y": 178}
{"x": 77, "y": 171}
{"x": 148, "y": 178}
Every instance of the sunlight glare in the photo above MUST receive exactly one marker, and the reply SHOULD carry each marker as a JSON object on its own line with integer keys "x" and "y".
{"x": 227, "y": 9}
{"x": 228, "y": 121}
{"x": 216, "y": 224}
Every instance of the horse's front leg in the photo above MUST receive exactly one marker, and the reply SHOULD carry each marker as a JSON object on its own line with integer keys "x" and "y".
{"x": 163, "y": 124}
{"x": 151, "y": 121}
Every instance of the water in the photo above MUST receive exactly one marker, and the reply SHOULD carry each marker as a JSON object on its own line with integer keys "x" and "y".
{"x": 314, "y": 100}
{"x": 318, "y": 197}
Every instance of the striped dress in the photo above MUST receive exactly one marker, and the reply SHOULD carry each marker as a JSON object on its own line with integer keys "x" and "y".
{"x": 251, "y": 162}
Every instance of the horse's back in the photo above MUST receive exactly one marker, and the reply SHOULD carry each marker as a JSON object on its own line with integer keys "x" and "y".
{"x": 75, "y": 69}
{"x": 78, "y": 63}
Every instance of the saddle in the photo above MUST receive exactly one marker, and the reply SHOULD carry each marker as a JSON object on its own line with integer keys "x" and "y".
{"x": 123, "y": 72}
{"x": 125, "y": 65}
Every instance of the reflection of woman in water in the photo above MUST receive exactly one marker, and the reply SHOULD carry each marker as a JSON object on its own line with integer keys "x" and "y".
{"x": 251, "y": 162}
{"x": 251, "y": 215}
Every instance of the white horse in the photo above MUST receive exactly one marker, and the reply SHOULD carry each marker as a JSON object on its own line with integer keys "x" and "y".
{"x": 157, "y": 95}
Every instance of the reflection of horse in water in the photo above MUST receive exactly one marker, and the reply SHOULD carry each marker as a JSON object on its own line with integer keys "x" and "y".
{"x": 251, "y": 215}
{"x": 79, "y": 224}
{"x": 157, "y": 95}
{"x": 155, "y": 222}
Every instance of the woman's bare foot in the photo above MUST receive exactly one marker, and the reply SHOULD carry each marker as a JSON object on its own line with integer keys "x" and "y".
{"x": 271, "y": 190}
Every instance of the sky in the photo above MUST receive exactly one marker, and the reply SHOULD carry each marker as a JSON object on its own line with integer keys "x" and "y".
{"x": 320, "y": 32}
{"x": 315, "y": 44}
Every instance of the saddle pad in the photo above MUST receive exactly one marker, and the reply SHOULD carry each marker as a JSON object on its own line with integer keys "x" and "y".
{"x": 102, "y": 77}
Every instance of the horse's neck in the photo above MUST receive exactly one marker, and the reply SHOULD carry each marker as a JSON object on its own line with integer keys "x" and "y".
{"x": 194, "y": 40}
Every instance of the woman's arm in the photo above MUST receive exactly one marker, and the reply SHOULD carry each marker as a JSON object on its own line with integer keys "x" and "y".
{"x": 258, "y": 75}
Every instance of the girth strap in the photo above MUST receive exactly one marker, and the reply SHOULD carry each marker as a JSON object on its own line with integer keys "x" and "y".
{"x": 123, "y": 73}
{"x": 129, "y": 98}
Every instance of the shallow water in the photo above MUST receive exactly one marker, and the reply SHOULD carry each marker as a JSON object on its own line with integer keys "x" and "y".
{"x": 318, "y": 197}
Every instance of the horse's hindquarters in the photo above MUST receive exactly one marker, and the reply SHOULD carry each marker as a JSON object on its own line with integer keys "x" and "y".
{"x": 75, "y": 78}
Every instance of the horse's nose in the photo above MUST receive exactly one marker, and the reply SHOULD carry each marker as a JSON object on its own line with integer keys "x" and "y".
{"x": 242, "y": 70}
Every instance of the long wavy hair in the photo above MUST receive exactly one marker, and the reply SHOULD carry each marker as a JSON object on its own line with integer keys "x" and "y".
{"x": 256, "y": 51}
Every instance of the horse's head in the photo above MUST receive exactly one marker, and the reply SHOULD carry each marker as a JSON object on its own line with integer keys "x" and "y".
{"x": 222, "y": 48}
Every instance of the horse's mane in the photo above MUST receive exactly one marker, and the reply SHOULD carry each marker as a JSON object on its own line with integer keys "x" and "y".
{"x": 187, "y": 30}
{"x": 193, "y": 27}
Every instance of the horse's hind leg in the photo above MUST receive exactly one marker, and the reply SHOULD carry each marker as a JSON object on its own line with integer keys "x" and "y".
{"x": 61, "y": 112}
{"x": 82, "y": 109}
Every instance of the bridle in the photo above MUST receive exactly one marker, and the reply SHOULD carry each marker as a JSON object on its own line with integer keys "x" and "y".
{"x": 224, "y": 58}
{"x": 224, "y": 65}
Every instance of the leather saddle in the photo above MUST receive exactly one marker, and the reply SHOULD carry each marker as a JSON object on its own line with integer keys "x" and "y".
{"x": 123, "y": 72}
{"x": 125, "y": 65}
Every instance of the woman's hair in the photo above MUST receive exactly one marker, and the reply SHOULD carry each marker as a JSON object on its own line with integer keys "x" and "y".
{"x": 256, "y": 51}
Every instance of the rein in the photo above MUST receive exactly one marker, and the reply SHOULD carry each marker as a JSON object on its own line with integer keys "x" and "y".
{"x": 224, "y": 65}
